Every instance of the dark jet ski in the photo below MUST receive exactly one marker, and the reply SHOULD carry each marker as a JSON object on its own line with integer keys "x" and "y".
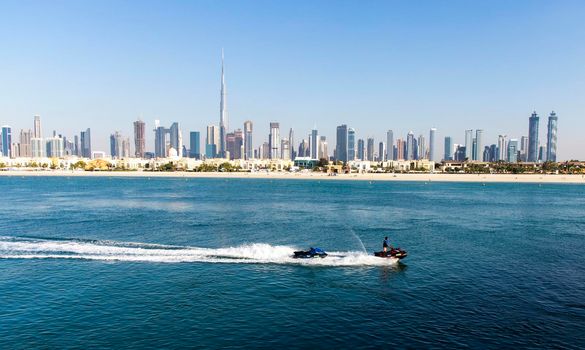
{"x": 311, "y": 253}
{"x": 396, "y": 253}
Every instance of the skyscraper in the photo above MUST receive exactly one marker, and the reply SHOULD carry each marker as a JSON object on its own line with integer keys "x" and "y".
{"x": 139, "y": 138}
{"x": 234, "y": 144}
{"x": 116, "y": 145}
{"x": 25, "y": 144}
{"x": 448, "y": 152}
{"x": 341, "y": 148}
{"x": 512, "y": 151}
{"x": 502, "y": 148}
{"x": 410, "y": 146}
{"x": 524, "y": 148}
{"x": 161, "y": 141}
{"x": 7, "y": 141}
{"x": 400, "y": 147}
{"x": 532, "y": 138}
{"x": 478, "y": 155}
{"x": 223, "y": 122}
{"x": 176, "y": 137}
{"x": 37, "y": 132}
{"x": 211, "y": 141}
{"x": 86, "y": 143}
{"x": 195, "y": 145}
{"x": 421, "y": 149}
{"x": 361, "y": 150}
{"x": 291, "y": 144}
{"x": 284, "y": 149}
{"x": 381, "y": 151}
{"x": 551, "y": 138}
{"x": 389, "y": 145}
{"x": 248, "y": 146}
{"x": 351, "y": 144}
{"x": 432, "y": 135}
{"x": 469, "y": 144}
{"x": 322, "y": 150}
{"x": 314, "y": 143}
{"x": 274, "y": 140}
{"x": 370, "y": 149}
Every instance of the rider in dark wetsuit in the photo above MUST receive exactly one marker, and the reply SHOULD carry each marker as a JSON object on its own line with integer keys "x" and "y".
{"x": 385, "y": 244}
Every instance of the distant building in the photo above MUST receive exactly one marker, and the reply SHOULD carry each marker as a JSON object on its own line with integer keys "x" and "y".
{"x": 323, "y": 151}
{"x": 460, "y": 153}
{"x": 351, "y": 150}
{"x": 551, "y": 138}
{"x": 25, "y": 144}
{"x": 274, "y": 140}
{"x": 421, "y": 148}
{"x": 524, "y": 149}
{"x": 448, "y": 150}
{"x": 479, "y": 149}
{"x": 381, "y": 151}
{"x": 410, "y": 144}
{"x": 248, "y": 144}
{"x": 6, "y": 141}
{"x": 361, "y": 153}
{"x": 139, "y": 138}
{"x": 533, "y": 137}
{"x": 341, "y": 145}
{"x": 389, "y": 145}
{"x": 400, "y": 149}
{"x": 502, "y": 148}
{"x": 468, "y": 144}
{"x": 211, "y": 141}
{"x": 55, "y": 147}
{"x": 512, "y": 151}
{"x": 37, "y": 131}
{"x": 432, "y": 145}
{"x": 313, "y": 141}
{"x": 370, "y": 150}
{"x": 195, "y": 144}
{"x": 291, "y": 144}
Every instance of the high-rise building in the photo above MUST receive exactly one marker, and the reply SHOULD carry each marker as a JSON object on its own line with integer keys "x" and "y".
{"x": 551, "y": 137}
{"x": 524, "y": 149}
{"x": 85, "y": 141}
{"x": 304, "y": 149}
{"x": 284, "y": 149}
{"x": 512, "y": 151}
{"x": 432, "y": 135}
{"x": 533, "y": 138}
{"x": 370, "y": 149}
{"x": 493, "y": 153}
{"x": 341, "y": 148}
{"x": 7, "y": 141}
{"x": 410, "y": 146}
{"x": 195, "y": 144}
{"x": 448, "y": 152}
{"x": 400, "y": 147}
{"x": 389, "y": 145}
{"x": 265, "y": 150}
{"x": 230, "y": 144}
{"x": 161, "y": 141}
{"x": 55, "y": 148}
{"x": 314, "y": 142}
{"x": 176, "y": 137}
{"x": 542, "y": 153}
{"x": 469, "y": 144}
{"x": 139, "y": 138}
{"x": 351, "y": 144}
{"x": 274, "y": 140}
{"x": 248, "y": 146}
{"x": 322, "y": 151}
{"x": 361, "y": 150}
{"x": 460, "y": 154}
{"x": 223, "y": 119}
{"x": 291, "y": 144}
{"x": 37, "y": 131}
{"x": 421, "y": 149}
{"x": 502, "y": 148}
{"x": 381, "y": 151}
{"x": 25, "y": 144}
{"x": 211, "y": 141}
{"x": 116, "y": 140}
{"x": 478, "y": 155}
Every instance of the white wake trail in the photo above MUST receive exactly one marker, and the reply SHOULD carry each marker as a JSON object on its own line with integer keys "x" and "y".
{"x": 256, "y": 253}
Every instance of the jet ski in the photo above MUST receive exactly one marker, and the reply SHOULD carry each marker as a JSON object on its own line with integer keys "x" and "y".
{"x": 311, "y": 253}
{"x": 396, "y": 253}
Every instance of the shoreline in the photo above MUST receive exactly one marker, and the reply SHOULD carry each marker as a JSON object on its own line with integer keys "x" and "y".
{"x": 422, "y": 177}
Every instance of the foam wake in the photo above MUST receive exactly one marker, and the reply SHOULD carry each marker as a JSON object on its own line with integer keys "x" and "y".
{"x": 256, "y": 253}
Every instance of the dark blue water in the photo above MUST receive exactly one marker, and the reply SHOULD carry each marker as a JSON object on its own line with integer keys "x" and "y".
{"x": 175, "y": 263}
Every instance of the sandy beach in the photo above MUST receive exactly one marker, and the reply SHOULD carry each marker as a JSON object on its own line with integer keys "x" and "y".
{"x": 437, "y": 177}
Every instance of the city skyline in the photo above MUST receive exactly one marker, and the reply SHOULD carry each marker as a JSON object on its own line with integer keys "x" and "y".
{"x": 298, "y": 84}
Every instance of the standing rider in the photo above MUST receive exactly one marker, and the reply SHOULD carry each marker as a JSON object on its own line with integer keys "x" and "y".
{"x": 385, "y": 244}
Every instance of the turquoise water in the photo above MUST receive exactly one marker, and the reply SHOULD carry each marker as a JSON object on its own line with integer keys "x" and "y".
{"x": 176, "y": 263}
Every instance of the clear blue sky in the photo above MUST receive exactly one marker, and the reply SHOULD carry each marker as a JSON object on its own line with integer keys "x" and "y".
{"x": 374, "y": 65}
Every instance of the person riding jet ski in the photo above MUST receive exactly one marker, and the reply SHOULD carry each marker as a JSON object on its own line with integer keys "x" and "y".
{"x": 311, "y": 253}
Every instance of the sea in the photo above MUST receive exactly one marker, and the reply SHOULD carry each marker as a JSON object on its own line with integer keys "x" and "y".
{"x": 183, "y": 263}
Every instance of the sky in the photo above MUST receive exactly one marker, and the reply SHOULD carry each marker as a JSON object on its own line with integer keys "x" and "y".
{"x": 373, "y": 65}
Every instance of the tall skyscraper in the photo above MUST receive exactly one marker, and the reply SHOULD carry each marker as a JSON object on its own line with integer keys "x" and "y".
{"x": 502, "y": 148}
{"x": 389, "y": 145}
{"x": 341, "y": 148}
{"x": 351, "y": 144}
{"x": 37, "y": 131}
{"x": 551, "y": 137}
{"x": 314, "y": 141}
{"x": 533, "y": 138}
{"x": 248, "y": 146}
{"x": 195, "y": 144}
{"x": 25, "y": 144}
{"x": 370, "y": 149}
{"x": 361, "y": 150}
{"x": 284, "y": 149}
{"x": 512, "y": 151}
{"x": 223, "y": 121}
{"x": 304, "y": 149}
{"x": 176, "y": 137}
{"x": 322, "y": 149}
{"x": 77, "y": 149}
{"x": 400, "y": 148}
{"x": 211, "y": 141}
{"x": 469, "y": 144}
{"x": 381, "y": 151}
{"x": 432, "y": 145}
{"x": 7, "y": 141}
{"x": 478, "y": 155}
{"x": 161, "y": 141}
{"x": 139, "y": 139}
{"x": 421, "y": 149}
{"x": 235, "y": 143}
{"x": 291, "y": 144}
{"x": 524, "y": 148}
{"x": 410, "y": 146}
{"x": 86, "y": 143}
{"x": 116, "y": 145}
{"x": 274, "y": 140}
{"x": 448, "y": 152}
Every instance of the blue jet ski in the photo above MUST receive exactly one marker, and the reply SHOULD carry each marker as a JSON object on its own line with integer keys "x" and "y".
{"x": 311, "y": 253}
